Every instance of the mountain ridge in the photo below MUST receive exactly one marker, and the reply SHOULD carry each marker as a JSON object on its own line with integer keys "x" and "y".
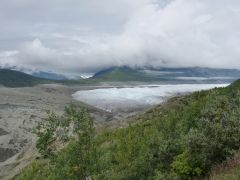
{"x": 168, "y": 75}
{"x": 13, "y": 78}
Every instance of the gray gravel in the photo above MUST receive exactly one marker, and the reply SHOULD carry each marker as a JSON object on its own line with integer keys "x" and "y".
{"x": 20, "y": 110}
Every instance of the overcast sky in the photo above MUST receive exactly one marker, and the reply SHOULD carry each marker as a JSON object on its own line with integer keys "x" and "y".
{"x": 75, "y": 36}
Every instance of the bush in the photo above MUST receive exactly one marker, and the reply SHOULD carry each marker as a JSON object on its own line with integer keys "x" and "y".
{"x": 76, "y": 127}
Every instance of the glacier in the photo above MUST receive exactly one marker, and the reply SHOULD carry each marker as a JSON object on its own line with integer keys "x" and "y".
{"x": 127, "y": 99}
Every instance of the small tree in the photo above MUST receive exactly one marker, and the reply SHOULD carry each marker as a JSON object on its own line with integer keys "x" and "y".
{"x": 46, "y": 135}
{"x": 79, "y": 159}
{"x": 83, "y": 152}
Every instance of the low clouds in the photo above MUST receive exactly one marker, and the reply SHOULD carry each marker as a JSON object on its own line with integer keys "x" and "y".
{"x": 85, "y": 36}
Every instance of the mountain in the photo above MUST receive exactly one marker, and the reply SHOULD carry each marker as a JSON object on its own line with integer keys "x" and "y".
{"x": 12, "y": 78}
{"x": 120, "y": 74}
{"x": 58, "y": 76}
{"x": 185, "y": 138}
{"x": 168, "y": 75}
{"x": 49, "y": 75}
{"x": 198, "y": 72}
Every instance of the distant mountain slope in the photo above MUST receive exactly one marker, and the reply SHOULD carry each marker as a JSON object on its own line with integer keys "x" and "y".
{"x": 200, "y": 72}
{"x": 11, "y": 78}
{"x": 44, "y": 74}
{"x": 168, "y": 75}
{"x": 121, "y": 74}
{"x": 49, "y": 75}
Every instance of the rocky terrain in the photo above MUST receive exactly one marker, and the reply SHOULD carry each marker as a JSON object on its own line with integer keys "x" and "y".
{"x": 20, "y": 110}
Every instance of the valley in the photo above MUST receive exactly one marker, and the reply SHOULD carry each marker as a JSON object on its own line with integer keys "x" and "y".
{"x": 119, "y": 90}
{"x": 110, "y": 106}
{"x": 182, "y": 138}
{"x": 111, "y": 102}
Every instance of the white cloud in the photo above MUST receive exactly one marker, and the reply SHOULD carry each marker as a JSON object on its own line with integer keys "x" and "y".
{"x": 85, "y": 36}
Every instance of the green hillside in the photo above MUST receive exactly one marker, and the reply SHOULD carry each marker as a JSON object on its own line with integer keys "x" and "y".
{"x": 165, "y": 75}
{"x": 184, "y": 138}
{"x": 115, "y": 74}
{"x": 11, "y": 78}
{"x": 121, "y": 74}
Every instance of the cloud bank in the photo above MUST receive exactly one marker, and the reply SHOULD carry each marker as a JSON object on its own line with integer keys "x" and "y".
{"x": 75, "y": 36}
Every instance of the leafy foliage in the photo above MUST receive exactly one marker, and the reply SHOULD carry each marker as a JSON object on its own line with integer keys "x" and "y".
{"x": 76, "y": 161}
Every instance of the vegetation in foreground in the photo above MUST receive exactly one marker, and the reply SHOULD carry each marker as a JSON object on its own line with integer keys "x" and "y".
{"x": 182, "y": 139}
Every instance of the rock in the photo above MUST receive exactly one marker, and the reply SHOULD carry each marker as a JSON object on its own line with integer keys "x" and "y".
{"x": 6, "y": 153}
